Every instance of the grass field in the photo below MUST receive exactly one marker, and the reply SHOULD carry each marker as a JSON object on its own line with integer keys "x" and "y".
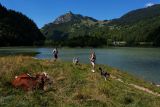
{"x": 73, "y": 86}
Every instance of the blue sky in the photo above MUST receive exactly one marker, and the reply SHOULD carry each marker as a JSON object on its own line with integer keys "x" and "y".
{"x": 45, "y": 11}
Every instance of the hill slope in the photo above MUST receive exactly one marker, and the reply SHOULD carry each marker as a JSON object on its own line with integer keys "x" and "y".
{"x": 138, "y": 15}
{"x": 73, "y": 86}
{"x": 136, "y": 28}
{"x": 17, "y": 29}
{"x": 71, "y": 29}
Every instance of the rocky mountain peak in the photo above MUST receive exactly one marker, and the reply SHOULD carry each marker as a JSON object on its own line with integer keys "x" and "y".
{"x": 69, "y": 16}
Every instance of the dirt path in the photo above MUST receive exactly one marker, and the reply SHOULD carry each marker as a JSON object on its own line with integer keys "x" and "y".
{"x": 138, "y": 87}
{"x": 144, "y": 89}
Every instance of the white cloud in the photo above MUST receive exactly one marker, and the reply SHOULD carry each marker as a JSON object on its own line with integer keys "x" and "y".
{"x": 149, "y": 4}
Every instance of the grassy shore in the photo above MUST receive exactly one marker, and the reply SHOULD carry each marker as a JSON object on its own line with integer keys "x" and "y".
{"x": 72, "y": 86}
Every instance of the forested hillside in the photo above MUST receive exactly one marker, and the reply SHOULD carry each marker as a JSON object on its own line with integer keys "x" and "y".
{"x": 136, "y": 28}
{"x": 138, "y": 15}
{"x": 17, "y": 29}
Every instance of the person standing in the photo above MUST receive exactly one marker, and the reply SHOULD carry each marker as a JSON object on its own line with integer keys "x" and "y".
{"x": 55, "y": 53}
{"x": 93, "y": 60}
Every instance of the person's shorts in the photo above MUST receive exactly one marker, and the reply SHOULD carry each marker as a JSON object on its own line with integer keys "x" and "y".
{"x": 56, "y": 56}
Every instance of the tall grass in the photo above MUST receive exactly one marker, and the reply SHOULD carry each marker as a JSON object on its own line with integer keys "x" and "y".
{"x": 73, "y": 86}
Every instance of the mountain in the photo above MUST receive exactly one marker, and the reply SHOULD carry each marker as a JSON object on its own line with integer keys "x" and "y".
{"x": 136, "y": 28}
{"x": 138, "y": 15}
{"x": 17, "y": 29}
{"x": 67, "y": 29}
{"x": 68, "y": 17}
{"x": 139, "y": 27}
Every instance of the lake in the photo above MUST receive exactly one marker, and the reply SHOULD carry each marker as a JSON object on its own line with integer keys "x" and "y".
{"x": 142, "y": 62}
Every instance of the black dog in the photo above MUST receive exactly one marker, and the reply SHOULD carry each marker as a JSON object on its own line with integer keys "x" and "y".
{"x": 104, "y": 74}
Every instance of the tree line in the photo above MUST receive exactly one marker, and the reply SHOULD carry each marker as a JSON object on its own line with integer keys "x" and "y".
{"x": 17, "y": 29}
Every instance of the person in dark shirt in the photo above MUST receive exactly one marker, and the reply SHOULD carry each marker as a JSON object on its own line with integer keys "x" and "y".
{"x": 55, "y": 53}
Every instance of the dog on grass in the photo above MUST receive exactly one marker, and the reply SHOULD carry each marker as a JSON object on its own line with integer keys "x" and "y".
{"x": 104, "y": 74}
{"x": 75, "y": 60}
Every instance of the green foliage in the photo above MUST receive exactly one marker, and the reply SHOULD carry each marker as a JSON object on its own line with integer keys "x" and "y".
{"x": 17, "y": 29}
{"x": 145, "y": 31}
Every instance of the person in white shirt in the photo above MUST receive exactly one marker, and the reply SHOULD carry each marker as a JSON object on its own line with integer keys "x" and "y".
{"x": 93, "y": 60}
